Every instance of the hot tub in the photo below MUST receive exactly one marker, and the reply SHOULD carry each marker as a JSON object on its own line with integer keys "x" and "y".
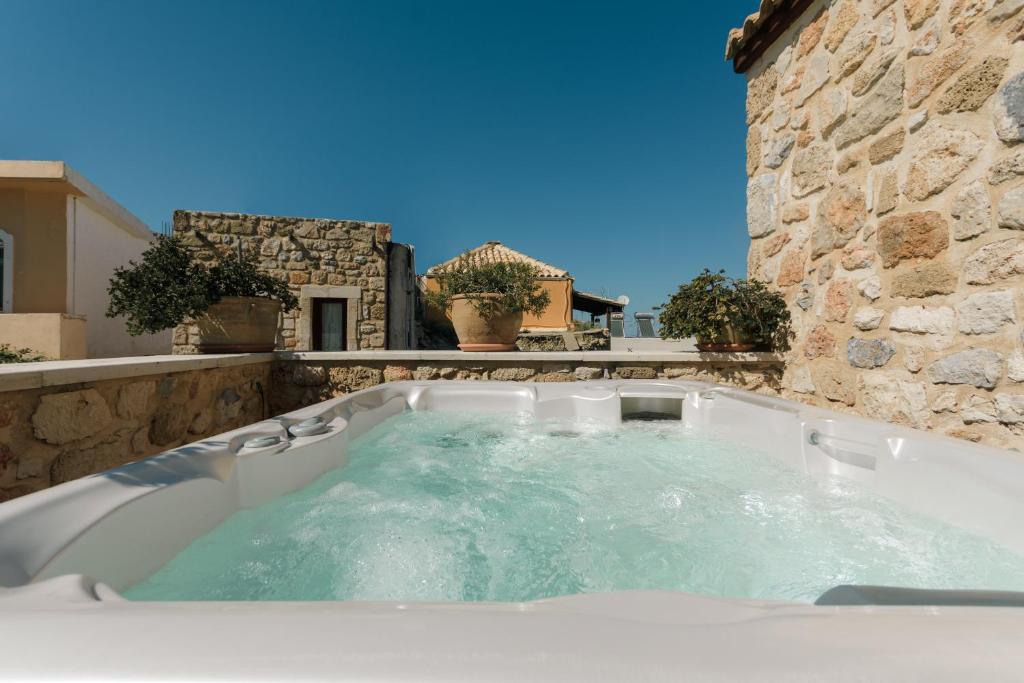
{"x": 491, "y": 531}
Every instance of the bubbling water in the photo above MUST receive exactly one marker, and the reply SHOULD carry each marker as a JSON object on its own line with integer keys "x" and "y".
{"x": 469, "y": 506}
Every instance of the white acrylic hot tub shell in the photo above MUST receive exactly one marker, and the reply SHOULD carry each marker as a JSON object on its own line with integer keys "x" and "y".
{"x": 119, "y": 526}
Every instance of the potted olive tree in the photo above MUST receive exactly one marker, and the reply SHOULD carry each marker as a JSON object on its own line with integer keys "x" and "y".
{"x": 486, "y": 301}
{"x": 727, "y": 314}
{"x": 234, "y": 305}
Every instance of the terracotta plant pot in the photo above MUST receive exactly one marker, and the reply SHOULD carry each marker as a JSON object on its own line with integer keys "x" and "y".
{"x": 476, "y": 333}
{"x": 729, "y": 341}
{"x": 239, "y": 324}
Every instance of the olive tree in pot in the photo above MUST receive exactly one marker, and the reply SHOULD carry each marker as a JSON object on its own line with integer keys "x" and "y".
{"x": 234, "y": 305}
{"x": 486, "y": 301}
{"x": 727, "y": 314}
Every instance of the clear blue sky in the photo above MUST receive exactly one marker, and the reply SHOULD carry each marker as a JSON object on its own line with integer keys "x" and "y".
{"x": 603, "y": 137}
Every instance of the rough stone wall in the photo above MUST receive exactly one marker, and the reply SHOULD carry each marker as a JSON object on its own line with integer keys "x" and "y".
{"x": 886, "y": 201}
{"x": 301, "y": 383}
{"x": 56, "y": 434}
{"x": 300, "y": 251}
{"x": 579, "y": 340}
{"x": 52, "y": 435}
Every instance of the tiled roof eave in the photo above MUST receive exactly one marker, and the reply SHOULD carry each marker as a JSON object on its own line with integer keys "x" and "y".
{"x": 760, "y": 30}
{"x": 739, "y": 36}
{"x": 496, "y": 252}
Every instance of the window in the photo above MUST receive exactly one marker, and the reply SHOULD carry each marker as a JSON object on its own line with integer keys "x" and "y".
{"x": 6, "y": 272}
{"x": 329, "y": 324}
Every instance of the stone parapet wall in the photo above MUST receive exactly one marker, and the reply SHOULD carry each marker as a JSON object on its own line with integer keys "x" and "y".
{"x": 67, "y": 419}
{"x": 52, "y": 431}
{"x": 576, "y": 340}
{"x": 310, "y": 378}
{"x": 318, "y": 254}
{"x": 886, "y": 202}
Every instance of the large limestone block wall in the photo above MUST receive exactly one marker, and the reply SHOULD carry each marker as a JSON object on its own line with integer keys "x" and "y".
{"x": 55, "y": 434}
{"x": 299, "y": 382}
{"x": 301, "y": 252}
{"x": 886, "y": 201}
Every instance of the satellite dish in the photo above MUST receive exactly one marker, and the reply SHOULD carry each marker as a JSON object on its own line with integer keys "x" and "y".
{"x": 623, "y": 299}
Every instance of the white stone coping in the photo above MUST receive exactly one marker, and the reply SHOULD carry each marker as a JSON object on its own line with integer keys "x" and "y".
{"x": 19, "y": 376}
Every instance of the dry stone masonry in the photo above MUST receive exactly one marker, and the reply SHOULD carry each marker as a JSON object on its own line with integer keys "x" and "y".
{"x": 297, "y": 383}
{"x": 302, "y": 252}
{"x": 578, "y": 340}
{"x": 56, "y": 434}
{"x": 886, "y": 201}
{"x": 64, "y": 431}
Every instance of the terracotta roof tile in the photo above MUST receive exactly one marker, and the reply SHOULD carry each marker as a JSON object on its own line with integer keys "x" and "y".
{"x": 756, "y": 24}
{"x": 739, "y": 36}
{"x": 496, "y": 252}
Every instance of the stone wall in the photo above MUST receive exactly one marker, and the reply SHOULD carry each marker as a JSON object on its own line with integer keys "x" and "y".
{"x": 576, "y": 340}
{"x": 316, "y": 257}
{"x": 886, "y": 201}
{"x": 61, "y": 421}
{"x": 54, "y": 434}
{"x": 303, "y": 382}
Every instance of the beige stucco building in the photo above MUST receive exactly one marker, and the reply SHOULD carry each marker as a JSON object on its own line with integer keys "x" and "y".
{"x": 885, "y": 200}
{"x": 60, "y": 239}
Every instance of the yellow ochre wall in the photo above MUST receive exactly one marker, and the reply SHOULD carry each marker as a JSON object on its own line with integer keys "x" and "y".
{"x": 557, "y": 316}
{"x": 38, "y": 222}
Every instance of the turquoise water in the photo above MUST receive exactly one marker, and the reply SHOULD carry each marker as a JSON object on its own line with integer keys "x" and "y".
{"x": 456, "y": 506}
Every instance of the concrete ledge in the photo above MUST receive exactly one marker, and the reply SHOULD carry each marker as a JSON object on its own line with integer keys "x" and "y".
{"x": 17, "y": 376}
{"x": 52, "y": 335}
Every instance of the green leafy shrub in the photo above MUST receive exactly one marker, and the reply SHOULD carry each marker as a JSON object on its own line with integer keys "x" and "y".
{"x": 763, "y": 315}
{"x": 711, "y": 305}
{"x": 162, "y": 291}
{"x": 514, "y": 283}
{"x": 11, "y": 355}
{"x": 234, "y": 276}
{"x": 167, "y": 287}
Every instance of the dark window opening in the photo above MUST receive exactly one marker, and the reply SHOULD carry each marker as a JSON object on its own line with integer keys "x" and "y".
{"x": 3, "y": 268}
{"x": 329, "y": 324}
